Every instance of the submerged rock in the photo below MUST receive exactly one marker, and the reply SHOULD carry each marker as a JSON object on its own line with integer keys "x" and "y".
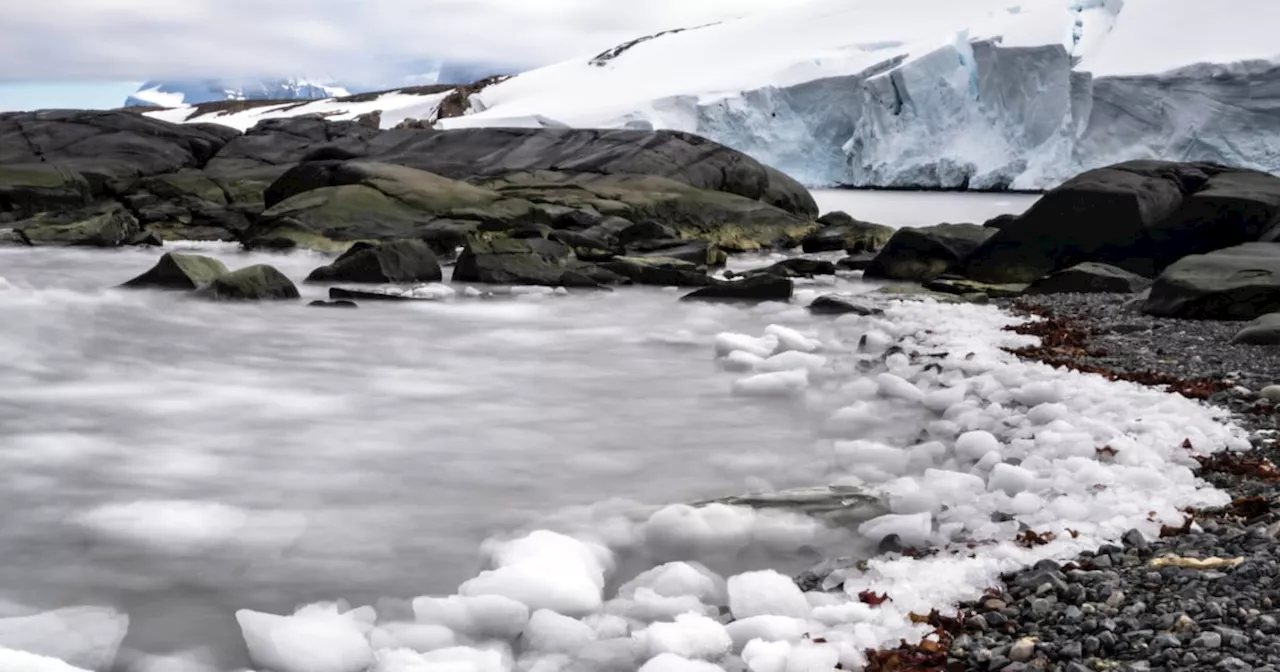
{"x": 340, "y": 303}
{"x": 834, "y": 304}
{"x": 391, "y": 261}
{"x": 259, "y": 282}
{"x": 753, "y": 288}
{"x": 180, "y": 271}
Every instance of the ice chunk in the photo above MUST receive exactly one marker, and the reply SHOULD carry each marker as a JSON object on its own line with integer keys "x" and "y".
{"x": 416, "y": 636}
{"x": 676, "y": 579}
{"x": 760, "y": 347}
{"x": 87, "y": 637}
{"x": 741, "y": 361}
{"x": 791, "y": 340}
{"x": 552, "y": 633}
{"x": 765, "y": 593}
{"x": 314, "y": 642}
{"x": 896, "y": 387}
{"x": 777, "y": 384}
{"x": 792, "y": 360}
{"x": 546, "y": 570}
{"x": 456, "y": 659}
{"x": 1010, "y": 479}
{"x": 690, "y": 636}
{"x": 973, "y": 446}
{"x": 478, "y": 617}
{"x": 912, "y": 529}
{"x": 768, "y": 628}
{"x": 939, "y": 401}
{"x": 21, "y": 661}
{"x": 645, "y": 606}
{"x": 669, "y": 662}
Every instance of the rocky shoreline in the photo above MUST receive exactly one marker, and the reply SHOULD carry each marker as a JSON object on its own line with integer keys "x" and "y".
{"x": 1202, "y": 596}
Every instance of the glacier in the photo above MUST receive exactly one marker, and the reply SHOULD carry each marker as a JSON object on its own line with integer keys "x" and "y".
{"x": 912, "y": 94}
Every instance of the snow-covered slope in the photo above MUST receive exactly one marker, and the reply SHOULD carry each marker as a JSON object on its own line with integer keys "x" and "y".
{"x": 983, "y": 94}
{"x": 394, "y": 107}
{"x": 938, "y": 93}
{"x": 178, "y": 93}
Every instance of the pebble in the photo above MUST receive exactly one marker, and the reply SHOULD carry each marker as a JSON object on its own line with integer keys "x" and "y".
{"x": 1023, "y": 650}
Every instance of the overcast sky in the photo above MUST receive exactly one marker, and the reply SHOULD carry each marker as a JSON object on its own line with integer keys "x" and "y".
{"x": 133, "y": 40}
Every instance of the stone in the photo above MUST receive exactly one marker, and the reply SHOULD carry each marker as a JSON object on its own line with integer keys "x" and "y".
{"x": 180, "y": 271}
{"x": 340, "y": 303}
{"x": 1140, "y": 215}
{"x": 832, "y": 304}
{"x": 1207, "y": 640}
{"x": 1236, "y": 283}
{"x": 1090, "y": 278}
{"x": 617, "y": 232}
{"x": 512, "y": 261}
{"x": 659, "y": 271}
{"x": 754, "y": 288}
{"x": 395, "y": 261}
{"x": 252, "y": 283}
{"x": 1264, "y": 330}
{"x": 839, "y": 231}
{"x": 856, "y": 262}
{"x": 701, "y": 252}
{"x": 1023, "y": 650}
{"x": 923, "y": 253}
{"x": 796, "y": 267}
{"x": 1135, "y": 540}
{"x": 1270, "y": 393}
{"x": 964, "y": 287}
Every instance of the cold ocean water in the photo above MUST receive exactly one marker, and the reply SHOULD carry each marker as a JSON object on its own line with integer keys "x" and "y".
{"x": 176, "y": 461}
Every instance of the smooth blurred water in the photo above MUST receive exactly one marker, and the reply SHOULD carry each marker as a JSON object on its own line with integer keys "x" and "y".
{"x": 925, "y": 208}
{"x": 179, "y": 459}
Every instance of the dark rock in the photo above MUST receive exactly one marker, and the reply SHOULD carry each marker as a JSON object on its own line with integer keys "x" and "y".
{"x": 841, "y": 232}
{"x": 145, "y": 239}
{"x": 617, "y": 232}
{"x": 348, "y": 294}
{"x": 252, "y": 283}
{"x": 856, "y": 262}
{"x": 180, "y": 271}
{"x": 341, "y": 303}
{"x": 391, "y": 261}
{"x": 575, "y": 220}
{"x": 796, "y": 267}
{"x": 754, "y": 288}
{"x": 512, "y": 261}
{"x": 1090, "y": 278}
{"x": 922, "y": 254}
{"x": 699, "y": 252}
{"x": 659, "y": 271}
{"x": 1140, "y": 215}
{"x": 832, "y": 304}
{"x": 963, "y": 287}
{"x": 1237, "y": 283}
{"x": 28, "y": 189}
{"x": 106, "y": 225}
{"x": 1265, "y": 330}
{"x": 1000, "y": 221}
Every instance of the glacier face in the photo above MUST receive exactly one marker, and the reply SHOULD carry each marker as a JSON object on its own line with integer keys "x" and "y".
{"x": 1021, "y": 96}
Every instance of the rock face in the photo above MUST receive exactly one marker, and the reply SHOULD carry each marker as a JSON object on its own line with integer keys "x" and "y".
{"x": 391, "y": 261}
{"x": 1141, "y": 216}
{"x": 1090, "y": 278}
{"x": 921, "y": 254}
{"x": 253, "y": 283}
{"x": 108, "y": 178}
{"x": 180, "y": 271}
{"x": 1236, "y": 283}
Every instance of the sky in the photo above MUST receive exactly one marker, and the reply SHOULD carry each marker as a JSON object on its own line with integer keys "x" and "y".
{"x": 93, "y": 53}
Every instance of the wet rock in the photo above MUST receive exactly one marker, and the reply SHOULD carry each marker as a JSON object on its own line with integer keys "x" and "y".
{"x": 510, "y": 261}
{"x": 392, "y": 261}
{"x": 665, "y": 272}
{"x": 834, "y": 304}
{"x": 341, "y": 303}
{"x": 796, "y": 267}
{"x": 750, "y": 289}
{"x": 842, "y": 232}
{"x": 253, "y": 283}
{"x": 924, "y": 253}
{"x": 180, "y": 271}
{"x": 856, "y": 262}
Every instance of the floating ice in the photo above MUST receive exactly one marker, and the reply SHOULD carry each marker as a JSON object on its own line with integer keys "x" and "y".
{"x": 21, "y": 661}
{"x": 86, "y": 637}
{"x": 760, "y": 347}
{"x": 546, "y": 570}
{"x": 788, "y": 383}
{"x": 690, "y": 636}
{"x": 478, "y": 617}
{"x": 552, "y": 633}
{"x": 765, "y": 593}
{"x": 312, "y": 640}
{"x": 670, "y": 662}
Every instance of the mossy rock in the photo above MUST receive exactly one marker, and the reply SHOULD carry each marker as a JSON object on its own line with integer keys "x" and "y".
{"x": 501, "y": 260}
{"x": 108, "y": 225}
{"x": 31, "y": 188}
{"x": 186, "y": 183}
{"x": 660, "y": 271}
{"x": 259, "y": 282}
{"x": 839, "y": 231}
{"x": 180, "y": 271}
{"x": 385, "y": 262}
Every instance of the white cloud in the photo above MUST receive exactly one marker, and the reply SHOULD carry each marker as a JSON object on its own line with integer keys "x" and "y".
{"x": 145, "y": 39}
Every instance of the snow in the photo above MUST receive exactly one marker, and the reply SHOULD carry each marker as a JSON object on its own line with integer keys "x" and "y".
{"x": 395, "y": 107}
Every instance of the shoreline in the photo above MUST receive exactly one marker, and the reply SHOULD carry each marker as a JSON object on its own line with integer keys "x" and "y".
{"x": 1197, "y": 597}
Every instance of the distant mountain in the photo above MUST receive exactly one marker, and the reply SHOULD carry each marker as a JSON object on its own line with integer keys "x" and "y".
{"x": 176, "y": 93}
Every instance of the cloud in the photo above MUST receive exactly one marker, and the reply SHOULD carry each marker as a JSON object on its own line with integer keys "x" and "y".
{"x": 346, "y": 39}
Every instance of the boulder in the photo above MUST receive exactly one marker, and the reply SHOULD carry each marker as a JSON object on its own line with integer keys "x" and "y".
{"x": 1090, "y": 278}
{"x": 105, "y": 225}
{"x": 841, "y": 232}
{"x": 755, "y": 288}
{"x": 1140, "y": 215}
{"x": 856, "y": 262}
{"x": 698, "y": 252}
{"x": 796, "y": 267}
{"x": 834, "y": 304}
{"x": 1265, "y": 330}
{"x": 1236, "y": 283}
{"x": 385, "y": 262}
{"x": 921, "y": 254}
{"x": 259, "y": 282}
{"x": 665, "y": 272}
{"x": 511, "y": 261}
{"x": 180, "y": 271}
